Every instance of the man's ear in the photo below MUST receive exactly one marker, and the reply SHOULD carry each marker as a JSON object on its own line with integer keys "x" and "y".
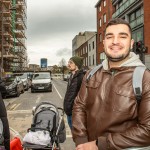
{"x": 132, "y": 42}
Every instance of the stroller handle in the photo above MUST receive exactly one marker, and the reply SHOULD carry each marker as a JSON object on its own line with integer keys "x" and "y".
{"x": 62, "y": 110}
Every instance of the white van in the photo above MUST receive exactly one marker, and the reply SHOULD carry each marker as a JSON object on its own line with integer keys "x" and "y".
{"x": 41, "y": 81}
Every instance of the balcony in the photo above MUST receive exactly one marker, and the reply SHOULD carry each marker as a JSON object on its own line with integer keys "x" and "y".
{"x": 123, "y": 7}
{"x": 7, "y": 45}
{"x": 19, "y": 34}
{"x": 7, "y": 3}
{"x": 137, "y": 22}
{"x": 7, "y": 34}
{"x": 19, "y": 25}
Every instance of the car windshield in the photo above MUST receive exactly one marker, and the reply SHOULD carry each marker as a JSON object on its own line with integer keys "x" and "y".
{"x": 24, "y": 76}
{"x": 11, "y": 79}
{"x": 41, "y": 76}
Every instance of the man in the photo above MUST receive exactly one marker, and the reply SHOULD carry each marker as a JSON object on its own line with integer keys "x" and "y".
{"x": 105, "y": 113}
{"x": 75, "y": 66}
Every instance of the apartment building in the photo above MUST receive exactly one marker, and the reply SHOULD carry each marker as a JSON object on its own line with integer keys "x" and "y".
{"x": 92, "y": 51}
{"x": 79, "y": 39}
{"x": 104, "y": 11}
{"x": 137, "y": 13}
{"x": 13, "y": 52}
{"x": 82, "y": 51}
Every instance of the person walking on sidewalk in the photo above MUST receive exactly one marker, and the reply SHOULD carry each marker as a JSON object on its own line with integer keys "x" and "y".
{"x": 106, "y": 114}
{"x": 75, "y": 66}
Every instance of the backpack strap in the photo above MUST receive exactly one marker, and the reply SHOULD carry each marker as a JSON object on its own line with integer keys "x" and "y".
{"x": 137, "y": 81}
{"x": 93, "y": 71}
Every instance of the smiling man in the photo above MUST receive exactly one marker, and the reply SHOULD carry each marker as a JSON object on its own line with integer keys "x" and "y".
{"x": 106, "y": 115}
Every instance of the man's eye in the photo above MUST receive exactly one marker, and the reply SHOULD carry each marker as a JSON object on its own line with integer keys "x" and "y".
{"x": 108, "y": 37}
{"x": 123, "y": 37}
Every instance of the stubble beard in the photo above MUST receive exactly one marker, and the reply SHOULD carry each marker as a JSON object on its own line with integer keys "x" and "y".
{"x": 117, "y": 58}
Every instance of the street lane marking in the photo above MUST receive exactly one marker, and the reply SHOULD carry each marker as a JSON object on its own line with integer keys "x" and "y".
{"x": 16, "y": 106}
{"x": 57, "y": 91}
{"x": 38, "y": 99}
{"x": 18, "y": 111}
{"x": 12, "y": 107}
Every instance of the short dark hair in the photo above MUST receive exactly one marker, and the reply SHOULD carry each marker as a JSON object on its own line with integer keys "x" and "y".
{"x": 116, "y": 21}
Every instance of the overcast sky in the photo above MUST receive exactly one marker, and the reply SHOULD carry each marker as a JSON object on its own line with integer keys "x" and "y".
{"x": 52, "y": 24}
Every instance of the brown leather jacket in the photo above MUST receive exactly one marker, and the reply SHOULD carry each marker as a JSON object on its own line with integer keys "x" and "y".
{"x": 106, "y": 109}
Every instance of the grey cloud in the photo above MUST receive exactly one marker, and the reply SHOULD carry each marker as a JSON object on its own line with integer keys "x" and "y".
{"x": 61, "y": 21}
{"x": 63, "y": 52}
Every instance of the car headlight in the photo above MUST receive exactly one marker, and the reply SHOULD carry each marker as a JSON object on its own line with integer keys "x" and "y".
{"x": 11, "y": 86}
{"x": 49, "y": 83}
{"x": 24, "y": 83}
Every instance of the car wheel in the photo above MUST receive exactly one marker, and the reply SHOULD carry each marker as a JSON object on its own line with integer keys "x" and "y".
{"x": 22, "y": 90}
{"x": 51, "y": 90}
{"x": 18, "y": 93}
{"x": 32, "y": 91}
{"x": 4, "y": 96}
{"x": 27, "y": 88}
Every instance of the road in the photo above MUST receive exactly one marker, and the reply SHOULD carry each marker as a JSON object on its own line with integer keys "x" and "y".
{"x": 20, "y": 109}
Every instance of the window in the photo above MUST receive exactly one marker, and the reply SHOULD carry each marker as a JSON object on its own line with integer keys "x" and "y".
{"x": 93, "y": 59}
{"x": 100, "y": 8}
{"x": 89, "y": 47}
{"x": 100, "y": 37}
{"x": 137, "y": 35}
{"x": 136, "y": 18}
{"x": 89, "y": 60}
{"x": 100, "y": 22}
{"x": 104, "y": 3}
{"x": 86, "y": 49}
{"x": 93, "y": 44}
{"x": 104, "y": 18}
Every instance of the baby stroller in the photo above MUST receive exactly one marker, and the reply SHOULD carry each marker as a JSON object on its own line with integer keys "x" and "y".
{"x": 48, "y": 124}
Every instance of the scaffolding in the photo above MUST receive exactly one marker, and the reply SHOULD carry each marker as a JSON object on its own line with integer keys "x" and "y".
{"x": 13, "y": 52}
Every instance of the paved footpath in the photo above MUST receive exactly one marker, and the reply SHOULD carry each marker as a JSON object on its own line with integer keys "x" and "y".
{"x": 23, "y": 126}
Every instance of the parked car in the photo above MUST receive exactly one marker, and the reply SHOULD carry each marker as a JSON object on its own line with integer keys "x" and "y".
{"x": 26, "y": 81}
{"x": 41, "y": 81}
{"x": 2, "y": 88}
{"x": 66, "y": 77}
{"x": 14, "y": 86}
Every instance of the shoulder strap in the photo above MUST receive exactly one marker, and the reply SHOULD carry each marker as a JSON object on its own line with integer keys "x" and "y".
{"x": 93, "y": 72}
{"x": 137, "y": 81}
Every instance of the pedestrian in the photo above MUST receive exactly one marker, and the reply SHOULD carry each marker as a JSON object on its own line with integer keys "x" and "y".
{"x": 4, "y": 126}
{"x": 75, "y": 66}
{"x": 106, "y": 115}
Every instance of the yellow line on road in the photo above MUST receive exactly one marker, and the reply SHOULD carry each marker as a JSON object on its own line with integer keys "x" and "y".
{"x": 16, "y": 106}
{"x": 12, "y": 107}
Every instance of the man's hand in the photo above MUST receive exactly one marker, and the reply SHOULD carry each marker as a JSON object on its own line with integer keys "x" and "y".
{"x": 87, "y": 146}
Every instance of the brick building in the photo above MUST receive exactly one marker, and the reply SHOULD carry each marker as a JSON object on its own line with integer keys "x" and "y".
{"x": 104, "y": 10}
{"x": 136, "y": 12}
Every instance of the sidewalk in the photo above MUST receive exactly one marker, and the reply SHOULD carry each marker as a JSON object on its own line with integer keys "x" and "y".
{"x": 7, "y": 102}
{"x": 67, "y": 145}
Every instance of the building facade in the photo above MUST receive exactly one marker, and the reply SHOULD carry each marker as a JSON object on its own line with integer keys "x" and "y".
{"x": 13, "y": 52}
{"x": 79, "y": 39}
{"x": 137, "y": 13}
{"x": 104, "y": 11}
{"x": 92, "y": 51}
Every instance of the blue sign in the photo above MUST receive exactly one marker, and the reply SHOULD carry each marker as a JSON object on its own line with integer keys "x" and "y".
{"x": 43, "y": 63}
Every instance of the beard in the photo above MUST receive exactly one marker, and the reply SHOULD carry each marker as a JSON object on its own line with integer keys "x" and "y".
{"x": 117, "y": 58}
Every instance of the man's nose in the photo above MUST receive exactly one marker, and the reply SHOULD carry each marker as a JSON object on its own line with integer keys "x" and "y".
{"x": 116, "y": 40}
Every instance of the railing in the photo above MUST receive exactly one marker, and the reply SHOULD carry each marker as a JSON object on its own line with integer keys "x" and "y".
{"x": 137, "y": 22}
{"x": 123, "y": 7}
